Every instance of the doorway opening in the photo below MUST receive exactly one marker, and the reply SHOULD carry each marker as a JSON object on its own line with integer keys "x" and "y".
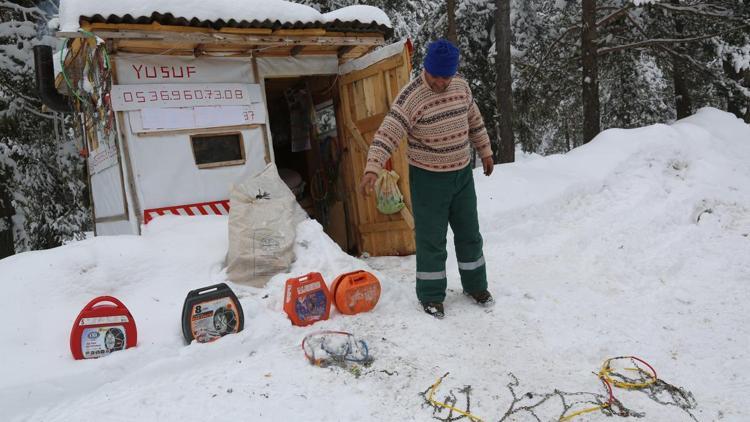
{"x": 307, "y": 148}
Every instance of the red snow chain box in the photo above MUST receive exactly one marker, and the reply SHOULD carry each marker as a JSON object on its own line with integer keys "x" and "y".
{"x": 307, "y": 299}
{"x": 101, "y": 329}
{"x": 355, "y": 292}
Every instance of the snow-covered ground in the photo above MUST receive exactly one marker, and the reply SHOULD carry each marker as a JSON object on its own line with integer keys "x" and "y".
{"x": 635, "y": 244}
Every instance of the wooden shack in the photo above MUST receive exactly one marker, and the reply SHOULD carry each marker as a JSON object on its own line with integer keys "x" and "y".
{"x": 174, "y": 109}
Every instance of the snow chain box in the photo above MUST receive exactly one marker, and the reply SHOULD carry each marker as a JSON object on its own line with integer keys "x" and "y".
{"x": 307, "y": 299}
{"x": 210, "y": 313}
{"x": 355, "y": 292}
{"x": 101, "y": 329}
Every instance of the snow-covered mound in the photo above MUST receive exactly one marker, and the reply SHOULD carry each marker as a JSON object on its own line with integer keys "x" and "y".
{"x": 635, "y": 244}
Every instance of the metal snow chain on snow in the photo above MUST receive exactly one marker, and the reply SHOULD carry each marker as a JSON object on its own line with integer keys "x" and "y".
{"x": 436, "y": 403}
{"x": 605, "y": 374}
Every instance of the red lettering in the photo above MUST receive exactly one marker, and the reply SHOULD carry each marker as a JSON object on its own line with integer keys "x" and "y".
{"x": 150, "y": 76}
{"x": 190, "y": 69}
{"x": 174, "y": 74}
{"x": 137, "y": 71}
{"x": 141, "y": 98}
{"x": 164, "y": 72}
{"x": 127, "y": 97}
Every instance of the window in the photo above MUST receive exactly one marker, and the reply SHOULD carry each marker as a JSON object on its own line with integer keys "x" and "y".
{"x": 218, "y": 150}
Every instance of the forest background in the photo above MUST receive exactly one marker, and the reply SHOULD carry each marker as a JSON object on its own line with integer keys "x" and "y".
{"x": 548, "y": 76}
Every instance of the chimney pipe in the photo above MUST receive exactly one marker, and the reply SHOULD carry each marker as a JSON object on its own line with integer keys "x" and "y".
{"x": 45, "y": 80}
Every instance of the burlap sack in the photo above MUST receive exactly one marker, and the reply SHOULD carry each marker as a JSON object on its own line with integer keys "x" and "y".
{"x": 263, "y": 219}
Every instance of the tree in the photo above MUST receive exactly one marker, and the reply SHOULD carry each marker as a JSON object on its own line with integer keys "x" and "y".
{"x": 450, "y": 31}
{"x": 681, "y": 92}
{"x": 504, "y": 92}
{"x": 40, "y": 170}
{"x": 590, "y": 81}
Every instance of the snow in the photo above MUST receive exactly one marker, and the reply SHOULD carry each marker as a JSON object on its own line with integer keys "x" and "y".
{"x": 261, "y": 10}
{"x": 634, "y": 244}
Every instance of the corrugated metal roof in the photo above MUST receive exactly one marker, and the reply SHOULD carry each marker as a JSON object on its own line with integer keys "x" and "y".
{"x": 169, "y": 19}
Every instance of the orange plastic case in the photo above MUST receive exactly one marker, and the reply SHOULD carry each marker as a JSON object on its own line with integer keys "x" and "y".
{"x": 355, "y": 292}
{"x": 307, "y": 299}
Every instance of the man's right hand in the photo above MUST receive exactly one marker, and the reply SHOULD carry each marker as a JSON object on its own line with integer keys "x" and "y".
{"x": 368, "y": 183}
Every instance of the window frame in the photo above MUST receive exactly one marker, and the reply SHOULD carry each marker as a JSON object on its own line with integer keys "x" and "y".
{"x": 217, "y": 164}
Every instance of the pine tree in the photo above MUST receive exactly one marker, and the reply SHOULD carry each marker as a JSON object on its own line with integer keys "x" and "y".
{"x": 40, "y": 171}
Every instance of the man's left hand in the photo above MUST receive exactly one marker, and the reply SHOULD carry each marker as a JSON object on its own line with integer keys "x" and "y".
{"x": 488, "y": 165}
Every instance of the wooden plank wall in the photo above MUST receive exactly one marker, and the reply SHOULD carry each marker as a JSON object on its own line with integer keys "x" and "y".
{"x": 366, "y": 96}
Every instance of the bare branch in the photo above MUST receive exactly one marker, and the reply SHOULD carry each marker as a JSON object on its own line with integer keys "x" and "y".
{"x": 549, "y": 51}
{"x": 37, "y": 113}
{"x": 666, "y": 41}
{"x": 615, "y": 15}
{"x": 697, "y": 10}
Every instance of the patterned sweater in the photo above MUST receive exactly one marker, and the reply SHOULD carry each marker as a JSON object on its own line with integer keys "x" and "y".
{"x": 439, "y": 128}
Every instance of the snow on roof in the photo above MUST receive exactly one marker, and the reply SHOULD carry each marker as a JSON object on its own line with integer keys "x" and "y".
{"x": 231, "y": 12}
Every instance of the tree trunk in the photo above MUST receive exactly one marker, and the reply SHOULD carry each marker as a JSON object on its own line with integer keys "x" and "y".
{"x": 450, "y": 31}
{"x": 7, "y": 247}
{"x": 683, "y": 104}
{"x": 503, "y": 90}
{"x": 590, "y": 83}
{"x": 737, "y": 104}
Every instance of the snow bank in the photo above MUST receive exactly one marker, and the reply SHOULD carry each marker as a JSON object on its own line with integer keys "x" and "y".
{"x": 635, "y": 244}
{"x": 250, "y": 10}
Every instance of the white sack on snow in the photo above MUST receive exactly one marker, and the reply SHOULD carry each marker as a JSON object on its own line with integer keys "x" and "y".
{"x": 263, "y": 218}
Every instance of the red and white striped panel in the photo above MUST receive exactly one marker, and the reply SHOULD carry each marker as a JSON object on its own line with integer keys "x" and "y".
{"x": 203, "y": 208}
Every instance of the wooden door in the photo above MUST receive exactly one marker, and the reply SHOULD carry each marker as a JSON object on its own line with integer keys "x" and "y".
{"x": 366, "y": 93}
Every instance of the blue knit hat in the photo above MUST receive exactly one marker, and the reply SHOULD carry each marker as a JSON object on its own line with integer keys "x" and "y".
{"x": 441, "y": 59}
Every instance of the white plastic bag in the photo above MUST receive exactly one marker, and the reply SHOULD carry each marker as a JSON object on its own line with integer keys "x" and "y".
{"x": 263, "y": 219}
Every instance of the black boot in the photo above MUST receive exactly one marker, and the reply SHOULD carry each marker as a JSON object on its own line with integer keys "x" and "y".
{"x": 483, "y": 297}
{"x": 435, "y": 309}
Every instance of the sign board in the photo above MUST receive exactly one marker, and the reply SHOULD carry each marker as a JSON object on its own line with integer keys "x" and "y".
{"x": 142, "y": 69}
{"x": 165, "y": 119}
{"x": 136, "y": 97}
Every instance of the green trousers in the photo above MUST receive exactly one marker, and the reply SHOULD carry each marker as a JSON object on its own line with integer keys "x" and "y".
{"x": 439, "y": 199}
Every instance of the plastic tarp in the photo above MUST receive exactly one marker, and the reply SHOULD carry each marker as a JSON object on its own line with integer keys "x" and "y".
{"x": 263, "y": 218}
{"x": 275, "y": 67}
{"x": 107, "y": 190}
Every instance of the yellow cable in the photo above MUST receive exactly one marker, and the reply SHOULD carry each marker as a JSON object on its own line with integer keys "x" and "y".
{"x": 606, "y": 370}
{"x": 447, "y": 406}
{"x": 581, "y": 412}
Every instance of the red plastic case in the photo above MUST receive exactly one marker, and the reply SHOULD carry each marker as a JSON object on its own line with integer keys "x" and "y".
{"x": 307, "y": 299}
{"x": 101, "y": 329}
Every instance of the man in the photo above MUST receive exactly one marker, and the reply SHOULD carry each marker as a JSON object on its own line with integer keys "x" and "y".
{"x": 437, "y": 113}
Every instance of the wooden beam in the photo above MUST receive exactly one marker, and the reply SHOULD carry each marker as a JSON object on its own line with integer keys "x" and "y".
{"x": 296, "y": 50}
{"x": 224, "y": 38}
{"x": 343, "y": 50}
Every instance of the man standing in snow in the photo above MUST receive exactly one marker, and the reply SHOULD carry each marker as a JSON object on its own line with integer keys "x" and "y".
{"x": 437, "y": 113}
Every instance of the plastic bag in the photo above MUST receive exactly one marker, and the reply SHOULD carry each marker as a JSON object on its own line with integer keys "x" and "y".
{"x": 387, "y": 195}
